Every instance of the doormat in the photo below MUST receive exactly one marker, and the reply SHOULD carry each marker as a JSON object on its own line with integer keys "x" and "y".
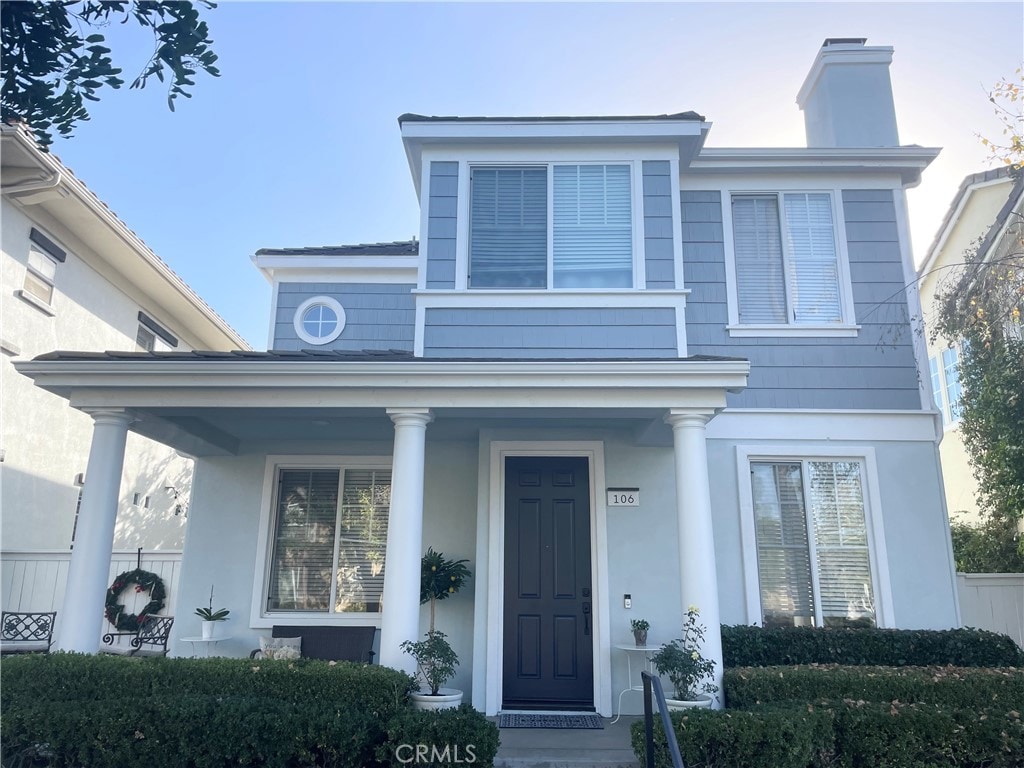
{"x": 549, "y": 721}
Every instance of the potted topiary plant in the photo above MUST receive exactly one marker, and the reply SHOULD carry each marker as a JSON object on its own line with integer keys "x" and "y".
{"x": 684, "y": 665}
{"x": 639, "y": 627}
{"x": 210, "y": 617}
{"x": 436, "y": 661}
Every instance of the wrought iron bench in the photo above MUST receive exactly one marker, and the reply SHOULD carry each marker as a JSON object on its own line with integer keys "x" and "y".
{"x": 26, "y": 632}
{"x": 330, "y": 643}
{"x": 150, "y": 640}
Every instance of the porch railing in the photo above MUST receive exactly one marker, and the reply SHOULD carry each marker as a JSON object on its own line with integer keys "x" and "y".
{"x": 653, "y": 684}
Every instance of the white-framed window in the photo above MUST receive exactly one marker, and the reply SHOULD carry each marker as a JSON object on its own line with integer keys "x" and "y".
{"x": 951, "y": 379}
{"x": 319, "y": 320}
{"x": 937, "y": 397}
{"x": 558, "y": 225}
{"x": 40, "y": 275}
{"x": 327, "y": 539}
{"x": 815, "y": 556}
{"x": 788, "y": 272}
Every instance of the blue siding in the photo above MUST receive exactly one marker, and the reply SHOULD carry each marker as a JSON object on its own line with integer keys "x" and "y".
{"x": 874, "y": 370}
{"x": 441, "y": 224}
{"x": 659, "y": 262}
{"x": 378, "y": 316}
{"x": 550, "y": 333}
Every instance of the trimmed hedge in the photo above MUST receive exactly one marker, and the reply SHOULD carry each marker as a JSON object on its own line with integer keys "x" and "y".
{"x": 850, "y": 734}
{"x": 110, "y": 712}
{"x": 952, "y": 687}
{"x": 758, "y": 647}
{"x": 464, "y": 736}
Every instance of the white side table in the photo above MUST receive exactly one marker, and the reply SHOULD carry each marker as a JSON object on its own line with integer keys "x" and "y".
{"x": 632, "y": 649}
{"x": 206, "y": 643}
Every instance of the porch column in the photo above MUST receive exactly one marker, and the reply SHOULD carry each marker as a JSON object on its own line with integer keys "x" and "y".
{"x": 697, "y": 571}
{"x": 81, "y": 618}
{"x": 400, "y": 616}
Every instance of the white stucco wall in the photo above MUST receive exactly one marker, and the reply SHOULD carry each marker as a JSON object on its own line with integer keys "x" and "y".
{"x": 45, "y": 441}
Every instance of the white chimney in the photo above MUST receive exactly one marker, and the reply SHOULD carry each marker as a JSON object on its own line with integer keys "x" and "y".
{"x": 847, "y": 96}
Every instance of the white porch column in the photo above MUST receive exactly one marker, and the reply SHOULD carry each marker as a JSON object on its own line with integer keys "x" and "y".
{"x": 81, "y": 618}
{"x": 400, "y": 616}
{"x": 698, "y": 575}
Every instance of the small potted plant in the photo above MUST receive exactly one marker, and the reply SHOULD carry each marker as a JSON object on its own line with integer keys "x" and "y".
{"x": 440, "y": 578}
{"x": 690, "y": 673}
{"x": 639, "y": 627}
{"x": 210, "y": 617}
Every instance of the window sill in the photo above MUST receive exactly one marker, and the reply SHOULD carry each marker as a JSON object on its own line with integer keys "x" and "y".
{"x": 36, "y": 302}
{"x": 793, "y": 331}
{"x": 268, "y": 620}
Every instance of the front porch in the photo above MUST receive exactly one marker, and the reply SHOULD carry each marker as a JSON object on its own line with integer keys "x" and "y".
{"x": 445, "y": 429}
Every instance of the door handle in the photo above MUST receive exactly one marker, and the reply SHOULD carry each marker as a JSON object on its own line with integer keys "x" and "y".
{"x": 586, "y": 618}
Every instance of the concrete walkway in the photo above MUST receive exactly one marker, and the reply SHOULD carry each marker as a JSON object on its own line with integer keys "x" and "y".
{"x": 568, "y": 748}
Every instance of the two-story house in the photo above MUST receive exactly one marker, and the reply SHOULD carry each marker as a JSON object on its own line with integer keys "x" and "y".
{"x": 620, "y": 372}
{"x": 75, "y": 277}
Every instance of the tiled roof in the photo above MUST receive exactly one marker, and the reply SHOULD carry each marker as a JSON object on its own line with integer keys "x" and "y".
{"x": 366, "y": 355}
{"x": 409, "y": 117}
{"x": 397, "y": 248}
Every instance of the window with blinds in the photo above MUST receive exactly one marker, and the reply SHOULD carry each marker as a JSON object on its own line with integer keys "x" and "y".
{"x": 590, "y": 226}
{"x": 593, "y": 226}
{"x": 330, "y": 537}
{"x": 508, "y": 228}
{"x": 787, "y": 268}
{"x": 814, "y": 567}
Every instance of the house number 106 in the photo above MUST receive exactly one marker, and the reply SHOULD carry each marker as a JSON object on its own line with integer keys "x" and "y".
{"x": 623, "y": 497}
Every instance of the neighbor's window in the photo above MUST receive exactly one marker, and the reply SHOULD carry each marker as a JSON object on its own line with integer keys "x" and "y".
{"x": 787, "y": 267}
{"x": 951, "y": 376}
{"x": 590, "y": 228}
{"x": 329, "y": 540}
{"x": 39, "y": 277}
{"x": 813, "y": 563}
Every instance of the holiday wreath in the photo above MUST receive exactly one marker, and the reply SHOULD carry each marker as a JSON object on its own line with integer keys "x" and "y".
{"x": 144, "y": 581}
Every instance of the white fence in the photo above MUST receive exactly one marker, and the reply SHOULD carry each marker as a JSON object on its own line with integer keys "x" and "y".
{"x": 35, "y": 580}
{"x": 993, "y": 601}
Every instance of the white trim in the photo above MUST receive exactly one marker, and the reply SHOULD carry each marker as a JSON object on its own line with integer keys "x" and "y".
{"x": 275, "y": 288}
{"x": 677, "y": 223}
{"x": 489, "y": 606}
{"x": 314, "y": 301}
{"x": 847, "y": 327}
{"x": 636, "y": 217}
{"x": 258, "y": 617}
{"x": 817, "y": 425}
{"x": 912, "y": 291}
{"x": 838, "y": 330}
{"x": 388, "y": 275}
{"x": 877, "y": 552}
{"x": 778, "y": 181}
{"x": 423, "y": 191}
{"x": 563, "y": 154}
{"x": 462, "y": 204}
{"x": 606, "y": 129}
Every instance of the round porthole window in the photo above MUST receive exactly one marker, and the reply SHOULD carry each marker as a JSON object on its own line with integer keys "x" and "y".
{"x": 319, "y": 320}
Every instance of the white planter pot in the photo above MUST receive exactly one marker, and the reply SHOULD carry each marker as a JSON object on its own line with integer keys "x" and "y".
{"x": 447, "y": 698}
{"x": 208, "y": 629}
{"x": 701, "y": 702}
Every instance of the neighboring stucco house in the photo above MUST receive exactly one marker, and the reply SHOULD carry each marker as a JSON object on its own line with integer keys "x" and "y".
{"x": 614, "y": 363}
{"x": 985, "y": 214}
{"x": 76, "y": 278}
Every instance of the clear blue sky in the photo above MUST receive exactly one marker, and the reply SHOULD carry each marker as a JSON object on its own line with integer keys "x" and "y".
{"x": 297, "y": 143}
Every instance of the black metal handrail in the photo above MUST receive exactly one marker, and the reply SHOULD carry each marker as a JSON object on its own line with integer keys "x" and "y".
{"x": 653, "y": 683}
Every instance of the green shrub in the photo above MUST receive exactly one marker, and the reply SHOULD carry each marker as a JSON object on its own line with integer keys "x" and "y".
{"x": 73, "y": 710}
{"x": 953, "y": 687}
{"x": 468, "y": 736}
{"x": 850, "y": 734}
{"x": 789, "y": 738}
{"x": 757, "y": 647}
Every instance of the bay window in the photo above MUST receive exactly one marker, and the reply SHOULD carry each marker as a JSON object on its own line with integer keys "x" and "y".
{"x": 328, "y": 540}
{"x": 563, "y": 226}
{"x": 786, "y": 259}
{"x": 813, "y": 563}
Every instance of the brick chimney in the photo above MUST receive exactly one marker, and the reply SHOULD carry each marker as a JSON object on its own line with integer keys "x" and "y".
{"x": 847, "y": 96}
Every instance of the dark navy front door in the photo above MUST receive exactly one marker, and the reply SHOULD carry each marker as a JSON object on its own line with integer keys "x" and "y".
{"x": 548, "y": 617}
